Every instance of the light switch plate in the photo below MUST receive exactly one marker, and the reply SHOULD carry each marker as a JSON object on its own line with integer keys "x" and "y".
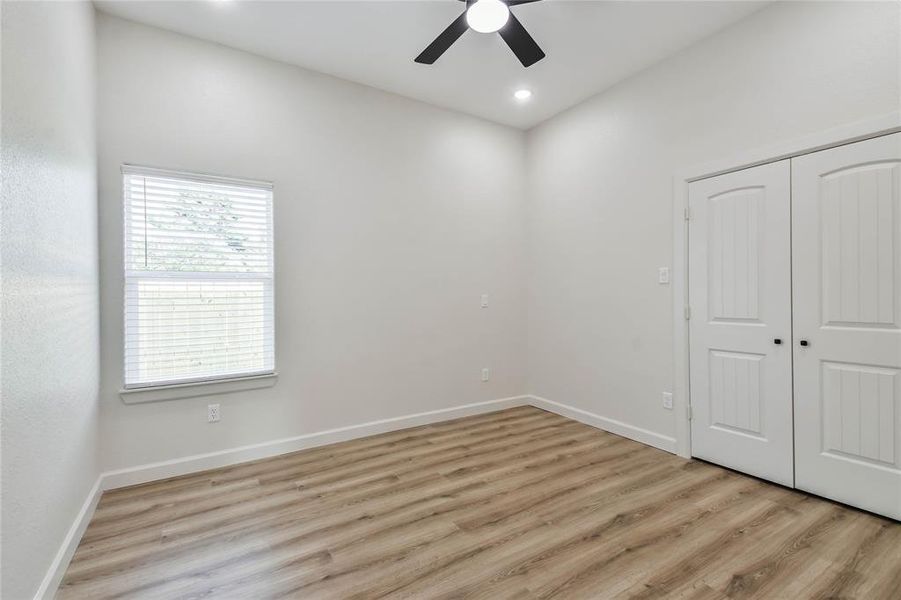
{"x": 668, "y": 400}
{"x": 663, "y": 275}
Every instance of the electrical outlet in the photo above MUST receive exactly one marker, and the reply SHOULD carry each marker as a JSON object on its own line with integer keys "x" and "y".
{"x": 668, "y": 400}
{"x": 663, "y": 275}
{"x": 485, "y": 374}
{"x": 484, "y": 302}
{"x": 212, "y": 413}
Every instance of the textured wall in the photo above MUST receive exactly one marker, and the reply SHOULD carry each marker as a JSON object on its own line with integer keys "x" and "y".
{"x": 48, "y": 239}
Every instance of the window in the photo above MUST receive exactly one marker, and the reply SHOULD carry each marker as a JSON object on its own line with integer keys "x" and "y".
{"x": 198, "y": 278}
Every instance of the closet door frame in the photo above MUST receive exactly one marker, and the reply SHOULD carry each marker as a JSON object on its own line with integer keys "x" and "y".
{"x": 838, "y": 136}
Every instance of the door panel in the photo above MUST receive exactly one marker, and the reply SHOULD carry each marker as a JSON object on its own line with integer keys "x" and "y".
{"x": 846, "y": 254}
{"x": 739, "y": 292}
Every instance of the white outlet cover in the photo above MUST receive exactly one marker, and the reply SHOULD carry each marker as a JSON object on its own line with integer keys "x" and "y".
{"x": 484, "y": 301}
{"x": 212, "y": 411}
{"x": 485, "y": 374}
{"x": 663, "y": 275}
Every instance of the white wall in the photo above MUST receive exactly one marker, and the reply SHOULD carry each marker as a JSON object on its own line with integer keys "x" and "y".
{"x": 48, "y": 237}
{"x": 392, "y": 217}
{"x": 600, "y": 186}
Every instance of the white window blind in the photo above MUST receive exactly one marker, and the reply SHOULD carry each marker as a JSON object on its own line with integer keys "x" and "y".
{"x": 198, "y": 278}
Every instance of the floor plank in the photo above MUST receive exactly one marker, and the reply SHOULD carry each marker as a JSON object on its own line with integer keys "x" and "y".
{"x": 520, "y": 503}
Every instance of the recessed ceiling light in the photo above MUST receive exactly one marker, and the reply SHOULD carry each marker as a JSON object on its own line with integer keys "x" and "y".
{"x": 522, "y": 94}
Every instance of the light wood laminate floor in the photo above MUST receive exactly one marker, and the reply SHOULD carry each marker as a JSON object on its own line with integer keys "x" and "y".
{"x": 519, "y": 503}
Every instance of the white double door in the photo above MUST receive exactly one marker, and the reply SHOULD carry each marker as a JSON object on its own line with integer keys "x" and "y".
{"x": 795, "y": 333}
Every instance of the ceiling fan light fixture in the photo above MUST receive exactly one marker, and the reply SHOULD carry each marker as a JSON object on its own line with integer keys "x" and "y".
{"x": 487, "y": 16}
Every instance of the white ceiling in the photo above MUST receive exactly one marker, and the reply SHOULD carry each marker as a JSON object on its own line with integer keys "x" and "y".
{"x": 590, "y": 45}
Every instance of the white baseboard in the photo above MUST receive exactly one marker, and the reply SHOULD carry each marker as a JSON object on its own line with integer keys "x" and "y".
{"x": 663, "y": 442}
{"x": 223, "y": 458}
{"x": 60, "y": 563}
{"x": 201, "y": 462}
{"x": 232, "y": 456}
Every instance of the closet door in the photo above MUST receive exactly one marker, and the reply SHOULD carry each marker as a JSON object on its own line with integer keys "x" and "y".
{"x": 846, "y": 253}
{"x": 740, "y": 327}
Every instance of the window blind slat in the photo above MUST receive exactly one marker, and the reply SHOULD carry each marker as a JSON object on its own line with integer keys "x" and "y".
{"x": 174, "y": 224}
{"x": 201, "y": 340}
{"x": 201, "y": 238}
{"x": 199, "y": 354}
{"x": 198, "y": 278}
{"x": 151, "y": 186}
{"x": 198, "y": 318}
{"x": 171, "y": 204}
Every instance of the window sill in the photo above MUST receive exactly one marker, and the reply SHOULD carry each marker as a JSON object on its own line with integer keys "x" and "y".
{"x": 198, "y": 388}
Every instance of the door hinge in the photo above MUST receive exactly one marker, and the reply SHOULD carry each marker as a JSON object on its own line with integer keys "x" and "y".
{"x": 687, "y": 313}
{"x": 686, "y": 213}
{"x": 690, "y": 413}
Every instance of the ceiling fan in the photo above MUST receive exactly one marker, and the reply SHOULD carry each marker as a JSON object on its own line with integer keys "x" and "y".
{"x": 487, "y": 16}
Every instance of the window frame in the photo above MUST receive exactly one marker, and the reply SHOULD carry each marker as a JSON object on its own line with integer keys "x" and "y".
{"x": 206, "y": 384}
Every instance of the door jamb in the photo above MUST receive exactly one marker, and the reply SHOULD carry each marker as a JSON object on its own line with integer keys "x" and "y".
{"x": 830, "y": 138}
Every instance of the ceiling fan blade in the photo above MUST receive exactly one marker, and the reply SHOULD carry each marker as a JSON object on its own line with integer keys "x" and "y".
{"x": 524, "y": 47}
{"x": 444, "y": 41}
{"x": 507, "y": 2}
